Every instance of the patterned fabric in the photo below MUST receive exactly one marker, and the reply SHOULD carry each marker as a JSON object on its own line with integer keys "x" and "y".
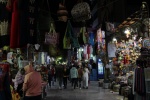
{"x": 5, "y": 93}
{"x": 18, "y": 79}
{"x": 4, "y": 37}
{"x": 70, "y": 38}
{"x": 74, "y": 72}
{"x": 2, "y": 76}
{"x": 139, "y": 86}
{"x": 91, "y": 38}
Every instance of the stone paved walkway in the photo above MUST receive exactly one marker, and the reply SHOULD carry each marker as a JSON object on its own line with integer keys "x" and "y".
{"x": 93, "y": 93}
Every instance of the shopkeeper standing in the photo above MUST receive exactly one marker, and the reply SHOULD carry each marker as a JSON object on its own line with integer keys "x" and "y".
{"x": 32, "y": 86}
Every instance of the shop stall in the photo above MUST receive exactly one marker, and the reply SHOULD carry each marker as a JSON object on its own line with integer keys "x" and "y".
{"x": 129, "y": 52}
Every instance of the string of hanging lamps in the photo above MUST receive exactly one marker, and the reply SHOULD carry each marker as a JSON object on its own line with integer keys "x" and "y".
{"x": 145, "y": 17}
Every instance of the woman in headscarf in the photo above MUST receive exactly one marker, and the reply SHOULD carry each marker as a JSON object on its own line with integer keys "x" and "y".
{"x": 18, "y": 82}
{"x": 32, "y": 85}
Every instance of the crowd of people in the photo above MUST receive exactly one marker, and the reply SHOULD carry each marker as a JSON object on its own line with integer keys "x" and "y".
{"x": 28, "y": 81}
{"x": 76, "y": 74}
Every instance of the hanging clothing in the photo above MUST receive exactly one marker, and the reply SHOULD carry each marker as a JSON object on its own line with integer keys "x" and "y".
{"x": 85, "y": 52}
{"x": 5, "y": 93}
{"x": 111, "y": 50}
{"x": 28, "y": 21}
{"x": 91, "y": 38}
{"x": 85, "y": 35}
{"x": 32, "y": 18}
{"x": 23, "y": 6}
{"x": 139, "y": 85}
{"x": 79, "y": 54}
{"x": 15, "y": 24}
{"x": 23, "y": 22}
{"x": 88, "y": 51}
{"x": 85, "y": 77}
{"x": 4, "y": 23}
{"x": 80, "y": 37}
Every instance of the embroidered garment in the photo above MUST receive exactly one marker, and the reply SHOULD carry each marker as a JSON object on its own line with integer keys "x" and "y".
{"x": 4, "y": 37}
{"x": 18, "y": 79}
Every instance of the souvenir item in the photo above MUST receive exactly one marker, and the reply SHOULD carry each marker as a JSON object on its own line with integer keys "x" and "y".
{"x": 10, "y": 57}
{"x": 37, "y": 46}
{"x": 85, "y": 35}
{"x": 110, "y": 27}
{"x": 146, "y": 43}
{"x": 42, "y": 57}
{"x": 69, "y": 38}
{"x": 111, "y": 50}
{"x": 81, "y": 11}
{"x": 3, "y": 28}
{"x": 62, "y": 12}
{"x": 51, "y": 38}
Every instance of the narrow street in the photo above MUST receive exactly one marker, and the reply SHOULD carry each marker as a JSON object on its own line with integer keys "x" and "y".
{"x": 92, "y": 93}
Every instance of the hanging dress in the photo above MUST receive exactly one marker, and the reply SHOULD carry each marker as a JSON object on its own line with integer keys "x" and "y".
{"x": 14, "y": 28}
{"x": 4, "y": 23}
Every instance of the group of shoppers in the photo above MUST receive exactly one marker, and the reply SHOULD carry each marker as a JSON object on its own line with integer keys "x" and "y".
{"x": 77, "y": 74}
{"x": 28, "y": 83}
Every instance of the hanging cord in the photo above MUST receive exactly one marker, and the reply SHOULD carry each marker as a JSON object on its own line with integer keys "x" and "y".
{"x": 64, "y": 1}
{"x": 108, "y": 4}
{"x": 107, "y": 14}
{"x": 145, "y": 7}
{"x": 48, "y": 5}
{"x": 42, "y": 5}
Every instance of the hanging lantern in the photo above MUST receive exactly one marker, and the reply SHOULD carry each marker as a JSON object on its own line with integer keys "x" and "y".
{"x": 128, "y": 31}
{"x": 62, "y": 13}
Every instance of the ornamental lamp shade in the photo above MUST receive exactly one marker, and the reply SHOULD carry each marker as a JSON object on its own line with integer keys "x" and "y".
{"x": 62, "y": 13}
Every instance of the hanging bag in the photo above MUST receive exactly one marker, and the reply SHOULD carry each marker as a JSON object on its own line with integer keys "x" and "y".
{"x": 44, "y": 16}
{"x": 81, "y": 11}
{"x": 51, "y": 38}
{"x": 70, "y": 40}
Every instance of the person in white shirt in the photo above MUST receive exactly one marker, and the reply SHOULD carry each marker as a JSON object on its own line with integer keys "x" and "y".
{"x": 85, "y": 76}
